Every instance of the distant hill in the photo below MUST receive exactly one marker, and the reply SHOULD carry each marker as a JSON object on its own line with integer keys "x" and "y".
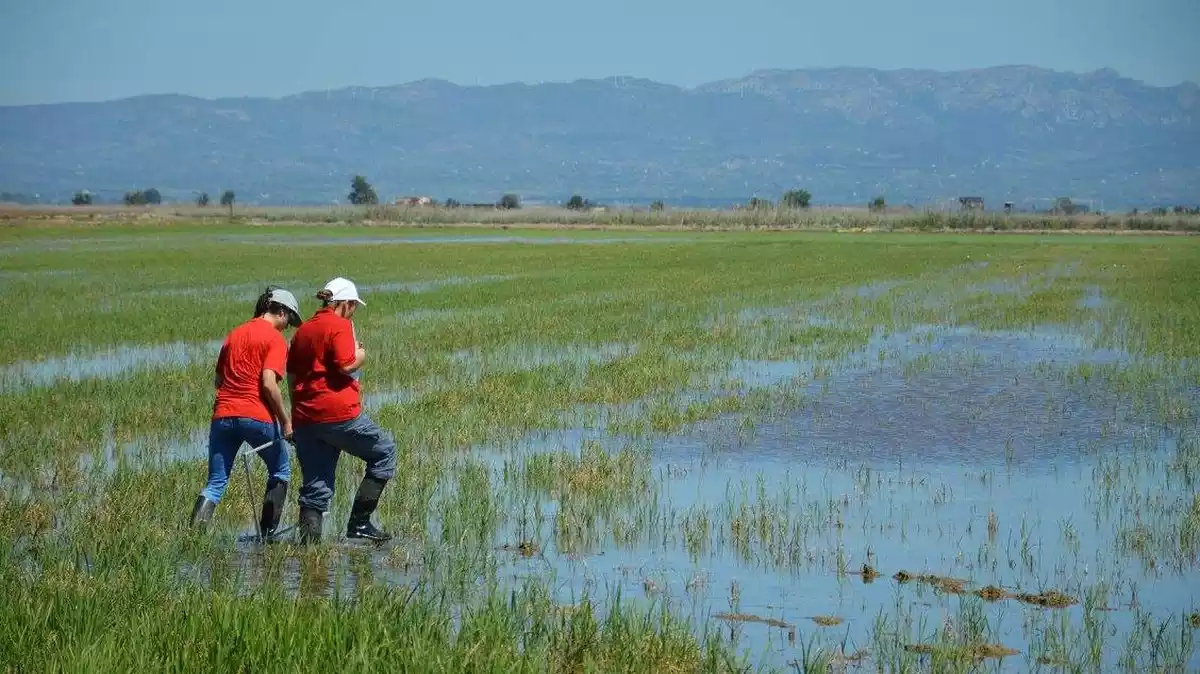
{"x": 846, "y": 134}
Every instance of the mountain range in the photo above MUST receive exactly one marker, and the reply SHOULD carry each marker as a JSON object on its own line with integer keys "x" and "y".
{"x": 1013, "y": 133}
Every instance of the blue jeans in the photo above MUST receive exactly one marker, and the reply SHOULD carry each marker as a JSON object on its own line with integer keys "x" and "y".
{"x": 225, "y": 437}
{"x": 318, "y": 447}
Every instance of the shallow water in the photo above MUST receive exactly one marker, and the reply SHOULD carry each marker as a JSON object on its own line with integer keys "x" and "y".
{"x": 429, "y": 285}
{"x": 901, "y": 464}
{"x": 896, "y": 454}
{"x": 886, "y": 463}
{"x": 109, "y": 363}
{"x": 529, "y": 356}
{"x": 177, "y": 241}
{"x": 247, "y": 292}
{"x": 304, "y": 288}
{"x": 432, "y": 316}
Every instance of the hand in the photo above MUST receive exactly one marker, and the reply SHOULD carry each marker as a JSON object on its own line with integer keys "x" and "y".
{"x": 285, "y": 429}
{"x": 360, "y": 353}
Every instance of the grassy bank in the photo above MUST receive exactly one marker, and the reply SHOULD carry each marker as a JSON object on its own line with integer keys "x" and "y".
{"x": 813, "y": 219}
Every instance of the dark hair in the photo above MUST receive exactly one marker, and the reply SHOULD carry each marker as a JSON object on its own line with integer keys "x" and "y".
{"x": 326, "y": 297}
{"x": 264, "y": 305}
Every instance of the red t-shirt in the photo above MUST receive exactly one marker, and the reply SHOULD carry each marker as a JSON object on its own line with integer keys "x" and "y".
{"x": 249, "y": 349}
{"x": 320, "y": 392}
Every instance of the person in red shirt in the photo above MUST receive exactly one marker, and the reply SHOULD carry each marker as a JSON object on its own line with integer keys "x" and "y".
{"x": 323, "y": 364}
{"x": 249, "y": 408}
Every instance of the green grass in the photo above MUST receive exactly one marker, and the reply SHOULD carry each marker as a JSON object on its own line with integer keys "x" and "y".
{"x": 100, "y": 573}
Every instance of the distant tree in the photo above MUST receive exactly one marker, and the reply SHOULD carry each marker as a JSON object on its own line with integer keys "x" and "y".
{"x": 18, "y": 198}
{"x": 227, "y": 198}
{"x": 795, "y": 199}
{"x": 1158, "y": 210}
{"x": 452, "y": 203}
{"x": 878, "y": 204}
{"x": 510, "y": 201}
{"x": 142, "y": 197}
{"x": 202, "y": 200}
{"x": 657, "y": 205}
{"x": 82, "y": 198}
{"x": 757, "y": 204}
{"x": 361, "y": 192}
{"x": 1064, "y": 206}
{"x": 10, "y": 197}
{"x": 576, "y": 203}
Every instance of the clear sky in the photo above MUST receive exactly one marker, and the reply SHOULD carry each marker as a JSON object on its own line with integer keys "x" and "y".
{"x": 71, "y": 50}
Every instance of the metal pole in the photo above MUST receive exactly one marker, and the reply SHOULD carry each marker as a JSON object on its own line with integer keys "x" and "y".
{"x": 250, "y": 485}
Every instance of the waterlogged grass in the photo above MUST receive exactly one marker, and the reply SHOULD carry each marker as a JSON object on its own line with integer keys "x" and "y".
{"x": 685, "y": 453}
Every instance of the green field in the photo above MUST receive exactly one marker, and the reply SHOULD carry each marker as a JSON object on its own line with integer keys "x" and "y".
{"x": 657, "y": 451}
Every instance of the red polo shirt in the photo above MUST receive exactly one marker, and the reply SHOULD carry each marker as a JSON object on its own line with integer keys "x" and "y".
{"x": 249, "y": 349}
{"x": 320, "y": 392}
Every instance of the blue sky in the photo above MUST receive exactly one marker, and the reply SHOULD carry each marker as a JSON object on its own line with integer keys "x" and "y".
{"x": 69, "y": 50}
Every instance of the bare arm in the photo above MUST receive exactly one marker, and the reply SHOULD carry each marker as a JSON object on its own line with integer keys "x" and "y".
{"x": 274, "y": 398}
{"x": 360, "y": 355}
{"x": 343, "y": 348}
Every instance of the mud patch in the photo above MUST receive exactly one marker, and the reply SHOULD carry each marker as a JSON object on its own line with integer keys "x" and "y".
{"x": 942, "y": 583}
{"x": 523, "y": 548}
{"x": 976, "y": 652}
{"x": 868, "y": 573}
{"x": 751, "y": 618}
{"x": 991, "y": 593}
{"x": 1048, "y": 599}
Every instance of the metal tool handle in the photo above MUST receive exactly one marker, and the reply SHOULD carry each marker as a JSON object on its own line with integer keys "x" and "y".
{"x": 255, "y": 450}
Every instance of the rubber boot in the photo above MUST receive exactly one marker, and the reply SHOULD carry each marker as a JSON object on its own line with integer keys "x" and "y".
{"x": 365, "y": 502}
{"x": 272, "y": 508}
{"x": 310, "y": 526}
{"x": 202, "y": 512}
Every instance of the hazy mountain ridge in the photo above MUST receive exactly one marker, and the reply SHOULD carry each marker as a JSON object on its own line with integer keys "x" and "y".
{"x": 846, "y": 134}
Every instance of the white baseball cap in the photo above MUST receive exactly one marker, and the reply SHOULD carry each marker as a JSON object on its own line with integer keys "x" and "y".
{"x": 343, "y": 289}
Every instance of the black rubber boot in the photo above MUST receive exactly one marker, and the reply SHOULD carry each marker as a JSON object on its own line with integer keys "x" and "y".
{"x": 272, "y": 507}
{"x": 310, "y": 526}
{"x": 202, "y": 512}
{"x": 365, "y": 502}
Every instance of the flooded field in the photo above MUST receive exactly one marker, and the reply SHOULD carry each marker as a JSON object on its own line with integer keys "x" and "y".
{"x": 764, "y": 451}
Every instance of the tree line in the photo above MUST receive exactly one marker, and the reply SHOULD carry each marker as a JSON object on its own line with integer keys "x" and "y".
{"x": 149, "y": 197}
{"x": 363, "y": 193}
